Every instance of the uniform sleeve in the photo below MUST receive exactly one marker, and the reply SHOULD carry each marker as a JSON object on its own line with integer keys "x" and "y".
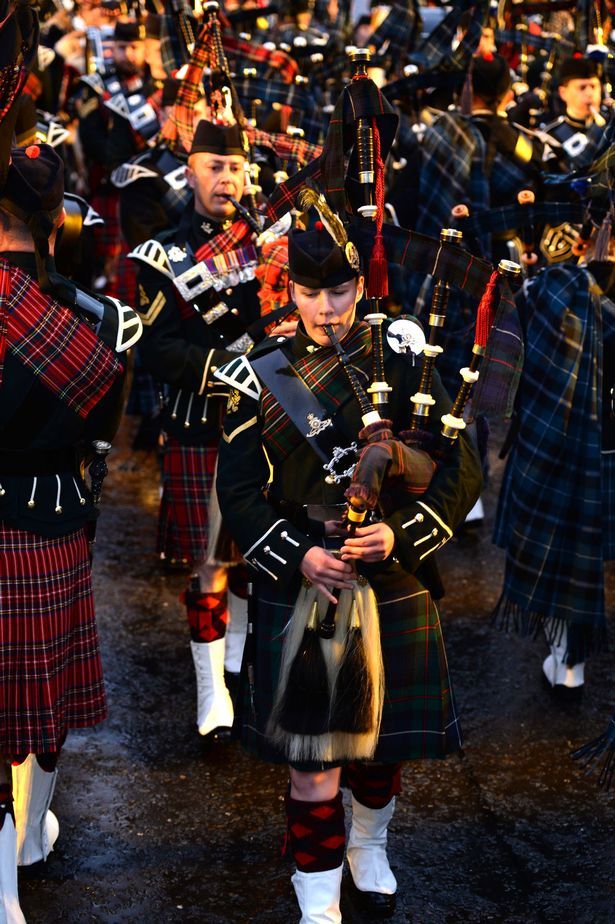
{"x": 425, "y": 525}
{"x": 165, "y": 348}
{"x": 271, "y": 545}
{"x": 93, "y": 127}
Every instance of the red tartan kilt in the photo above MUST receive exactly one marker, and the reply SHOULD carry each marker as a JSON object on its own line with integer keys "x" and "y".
{"x": 107, "y": 237}
{"x": 124, "y": 284}
{"x": 51, "y": 673}
{"x": 187, "y": 479}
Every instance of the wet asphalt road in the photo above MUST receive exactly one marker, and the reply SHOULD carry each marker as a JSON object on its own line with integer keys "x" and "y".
{"x": 156, "y": 829}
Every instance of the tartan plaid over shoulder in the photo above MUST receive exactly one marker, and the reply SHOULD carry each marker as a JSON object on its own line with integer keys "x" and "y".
{"x": 551, "y": 512}
{"x": 53, "y": 343}
{"x": 322, "y": 375}
{"x": 451, "y": 173}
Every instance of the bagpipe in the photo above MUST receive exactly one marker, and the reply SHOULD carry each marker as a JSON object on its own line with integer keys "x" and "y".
{"x": 329, "y": 698}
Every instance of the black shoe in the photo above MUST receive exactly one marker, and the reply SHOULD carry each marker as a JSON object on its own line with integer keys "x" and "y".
{"x": 373, "y": 906}
{"x": 220, "y": 735}
{"x": 563, "y": 695}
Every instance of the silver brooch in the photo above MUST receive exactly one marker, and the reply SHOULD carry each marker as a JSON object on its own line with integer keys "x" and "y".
{"x": 316, "y": 425}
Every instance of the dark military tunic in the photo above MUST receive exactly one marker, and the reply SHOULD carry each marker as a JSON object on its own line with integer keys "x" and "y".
{"x": 182, "y": 346}
{"x": 578, "y": 138}
{"x": 272, "y": 491}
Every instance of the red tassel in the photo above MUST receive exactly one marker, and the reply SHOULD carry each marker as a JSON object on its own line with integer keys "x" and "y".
{"x": 486, "y": 312}
{"x": 378, "y": 277}
{"x": 378, "y": 286}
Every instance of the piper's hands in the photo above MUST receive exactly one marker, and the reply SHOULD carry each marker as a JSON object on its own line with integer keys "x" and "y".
{"x": 369, "y": 544}
{"x": 284, "y": 329}
{"x": 325, "y": 571}
{"x": 335, "y": 528}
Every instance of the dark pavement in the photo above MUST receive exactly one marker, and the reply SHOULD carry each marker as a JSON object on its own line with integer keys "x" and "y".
{"x": 155, "y": 829}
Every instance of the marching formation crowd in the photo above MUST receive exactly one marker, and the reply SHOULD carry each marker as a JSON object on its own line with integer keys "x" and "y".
{"x": 317, "y": 246}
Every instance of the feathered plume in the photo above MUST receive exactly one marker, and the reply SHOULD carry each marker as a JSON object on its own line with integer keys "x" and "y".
{"x": 311, "y": 198}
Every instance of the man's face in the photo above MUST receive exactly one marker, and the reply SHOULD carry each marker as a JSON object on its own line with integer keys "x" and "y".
{"x": 581, "y": 95}
{"x": 487, "y": 44}
{"x": 335, "y": 306}
{"x": 214, "y": 177}
{"x": 129, "y": 57}
{"x": 153, "y": 56}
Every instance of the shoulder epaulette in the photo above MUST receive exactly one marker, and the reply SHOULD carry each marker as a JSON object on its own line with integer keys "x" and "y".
{"x": 94, "y": 82}
{"x": 126, "y": 174}
{"x": 239, "y": 374}
{"x": 153, "y": 254}
{"x": 129, "y": 326}
{"x": 92, "y": 217}
{"x": 176, "y": 179}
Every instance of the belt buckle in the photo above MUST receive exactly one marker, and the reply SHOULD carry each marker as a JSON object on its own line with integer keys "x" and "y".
{"x": 194, "y": 281}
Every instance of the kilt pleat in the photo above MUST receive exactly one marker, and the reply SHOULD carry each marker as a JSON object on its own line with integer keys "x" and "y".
{"x": 51, "y": 673}
{"x": 183, "y": 522}
{"x": 419, "y": 718}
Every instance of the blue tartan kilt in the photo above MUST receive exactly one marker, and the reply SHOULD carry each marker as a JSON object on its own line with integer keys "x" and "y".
{"x": 608, "y": 494}
{"x": 419, "y": 718}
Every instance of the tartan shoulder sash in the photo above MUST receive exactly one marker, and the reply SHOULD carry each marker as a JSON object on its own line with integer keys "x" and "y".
{"x": 300, "y": 404}
{"x": 321, "y": 373}
{"x": 56, "y": 347}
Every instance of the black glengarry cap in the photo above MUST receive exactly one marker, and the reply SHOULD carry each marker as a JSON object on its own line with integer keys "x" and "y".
{"x": 577, "y": 68}
{"x": 224, "y": 140}
{"x": 316, "y": 261}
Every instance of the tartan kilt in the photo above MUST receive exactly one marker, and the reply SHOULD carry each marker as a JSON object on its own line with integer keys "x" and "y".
{"x": 419, "y": 718}
{"x": 107, "y": 237}
{"x": 183, "y": 522}
{"x": 608, "y": 495}
{"x": 50, "y": 668}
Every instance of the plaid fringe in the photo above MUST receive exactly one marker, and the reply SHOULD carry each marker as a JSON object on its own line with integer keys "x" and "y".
{"x": 509, "y": 616}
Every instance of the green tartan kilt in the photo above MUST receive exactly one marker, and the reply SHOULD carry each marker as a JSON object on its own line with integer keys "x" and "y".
{"x": 419, "y": 718}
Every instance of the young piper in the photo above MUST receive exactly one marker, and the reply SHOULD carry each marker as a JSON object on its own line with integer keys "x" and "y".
{"x": 284, "y": 511}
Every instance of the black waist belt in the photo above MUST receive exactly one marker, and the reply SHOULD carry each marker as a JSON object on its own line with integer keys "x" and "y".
{"x": 37, "y": 461}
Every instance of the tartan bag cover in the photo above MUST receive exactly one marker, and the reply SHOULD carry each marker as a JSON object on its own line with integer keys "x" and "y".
{"x": 551, "y": 512}
{"x": 274, "y": 59}
{"x": 359, "y": 99}
{"x": 53, "y": 343}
